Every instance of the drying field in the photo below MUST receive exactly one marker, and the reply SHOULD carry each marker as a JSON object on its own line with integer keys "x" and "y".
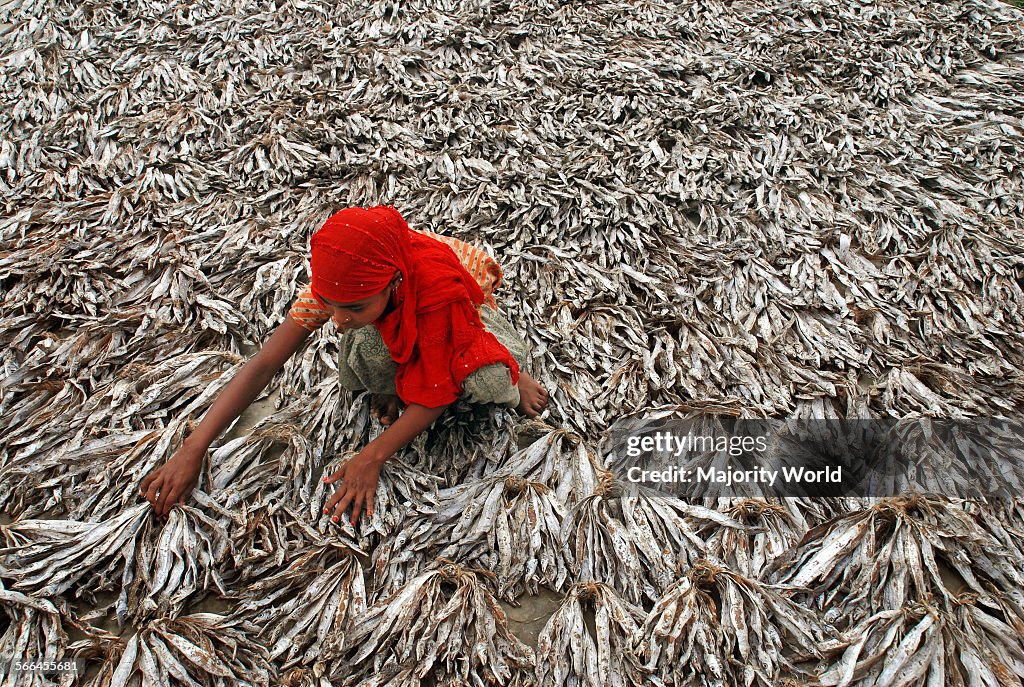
{"x": 792, "y": 209}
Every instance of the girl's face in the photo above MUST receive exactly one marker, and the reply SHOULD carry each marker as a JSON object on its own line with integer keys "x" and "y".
{"x": 358, "y": 314}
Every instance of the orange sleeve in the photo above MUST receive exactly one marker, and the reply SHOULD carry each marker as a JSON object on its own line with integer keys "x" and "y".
{"x": 308, "y": 312}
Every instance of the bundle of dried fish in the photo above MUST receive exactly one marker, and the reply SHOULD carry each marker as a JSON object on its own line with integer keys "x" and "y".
{"x": 308, "y": 608}
{"x": 773, "y": 527}
{"x": 715, "y": 626}
{"x": 967, "y": 459}
{"x": 203, "y": 648}
{"x": 107, "y": 488}
{"x": 443, "y": 624}
{"x": 468, "y": 441}
{"x": 26, "y": 408}
{"x": 183, "y": 562}
{"x": 403, "y": 492}
{"x": 1003, "y": 519}
{"x": 90, "y": 474}
{"x": 323, "y": 422}
{"x": 150, "y": 571}
{"x": 171, "y": 388}
{"x": 33, "y": 634}
{"x": 64, "y": 552}
{"x": 269, "y": 535}
{"x": 922, "y": 644}
{"x": 465, "y": 521}
{"x": 314, "y": 371}
{"x": 635, "y": 541}
{"x": 893, "y": 554}
{"x": 511, "y": 527}
{"x": 569, "y": 653}
{"x": 275, "y": 459}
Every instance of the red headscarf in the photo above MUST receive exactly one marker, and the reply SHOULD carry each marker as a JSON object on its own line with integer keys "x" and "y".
{"x": 355, "y": 255}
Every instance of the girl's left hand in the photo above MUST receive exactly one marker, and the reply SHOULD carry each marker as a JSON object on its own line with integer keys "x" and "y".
{"x": 358, "y": 485}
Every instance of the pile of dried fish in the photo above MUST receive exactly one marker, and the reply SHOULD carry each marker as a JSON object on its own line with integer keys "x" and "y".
{"x": 888, "y": 557}
{"x": 155, "y": 570}
{"x": 307, "y": 609}
{"x": 637, "y": 544}
{"x": 512, "y": 527}
{"x": 403, "y": 492}
{"x": 503, "y": 521}
{"x": 64, "y": 553}
{"x": 33, "y": 633}
{"x": 715, "y": 626}
{"x": 772, "y": 528}
{"x": 202, "y": 648}
{"x": 794, "y": 210}
{"x": 444, "y": 624}
{"x": 921, "y": 644}
{"x": 185, "y": 559}
{"x": 567, "y": 654}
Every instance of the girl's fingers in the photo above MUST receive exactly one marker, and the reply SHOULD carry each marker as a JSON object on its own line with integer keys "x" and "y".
{"x": 174, "y": 495}
{"x": 334, "y": 506}
{"x": 357, "y": 506}
{"x": 343, "y": 506}
{"x": 335, "y": 497}
{"x": 336, "y": 476}
{"x": 331, "y": 501}
{"x": 162, "y": 506}
{"x": 154, "y": 488}
{"x": 369, "y": 505}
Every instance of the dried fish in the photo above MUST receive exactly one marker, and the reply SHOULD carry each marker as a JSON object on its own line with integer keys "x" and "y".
{"x": 569, "y": 652}
{"x": 511, "y": 527}
{"x": 33, "y": 634}
{"x": 153, "y": 569}
{"x": 308, "y": 608}
{"x": 922, "y": 644}
{"x": 61, "y": 555}
{"x": 788, "y": 210}
{"x": 199, "y": 649}
{"x": 465, "y": 522}
{"x": 893, "y": 555}
{"x": 185, "y": 561}
{"x": 715, "y": 626}
{"x": 636, "y": 544}
{"x": 443, "y": 624}
{"x": 773, "y": 527}
{"x": 402, "y": 492}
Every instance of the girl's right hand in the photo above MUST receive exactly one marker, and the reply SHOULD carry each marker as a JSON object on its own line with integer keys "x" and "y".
{"x": 172, "y": 482}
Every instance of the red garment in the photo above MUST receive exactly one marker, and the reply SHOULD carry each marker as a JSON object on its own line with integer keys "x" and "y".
{"x": 434, "y": 332}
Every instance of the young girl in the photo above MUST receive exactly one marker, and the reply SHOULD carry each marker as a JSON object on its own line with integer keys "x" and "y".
{"x": 436, "y": 336}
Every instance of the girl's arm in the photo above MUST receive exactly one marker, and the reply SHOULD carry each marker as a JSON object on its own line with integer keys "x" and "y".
{"x": 362, "y": 471}
{"x": 173, "y": 481}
